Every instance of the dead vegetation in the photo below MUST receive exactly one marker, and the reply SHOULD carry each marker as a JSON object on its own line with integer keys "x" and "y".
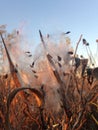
{"x": 64, "y": 102}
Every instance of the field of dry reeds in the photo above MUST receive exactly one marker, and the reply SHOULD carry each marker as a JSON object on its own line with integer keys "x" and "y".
{"x": 47, "y": 93}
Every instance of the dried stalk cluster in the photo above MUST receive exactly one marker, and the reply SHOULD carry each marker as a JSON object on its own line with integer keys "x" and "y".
{"x": 25, "y": 107}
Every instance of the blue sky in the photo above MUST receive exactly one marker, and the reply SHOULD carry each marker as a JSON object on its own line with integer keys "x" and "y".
{"x": 51, "y": 16}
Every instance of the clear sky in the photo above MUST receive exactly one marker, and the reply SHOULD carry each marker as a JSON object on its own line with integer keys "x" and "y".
{"x": 77, "y": 16}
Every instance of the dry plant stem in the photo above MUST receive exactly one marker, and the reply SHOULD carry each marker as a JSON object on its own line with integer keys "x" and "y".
{"x": 96, "y": 121}
{"x": 43, "y": 123}
{"x": 56, "y": 74}
{"x": 81, "y": 124}
{"x": 80, "y": 115}
{"x": 16, "y": 77}
{"x": 9, "y": 59}
{"x": 93, "y": 94}
{"x": 77, "y": 45}
{"x": 73, "y": 63}
{"x": 41, "y": 109}
{"x": 76, "y": 81}
{"x": 83, "y": 106}
{"x": 81, "y": 92}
